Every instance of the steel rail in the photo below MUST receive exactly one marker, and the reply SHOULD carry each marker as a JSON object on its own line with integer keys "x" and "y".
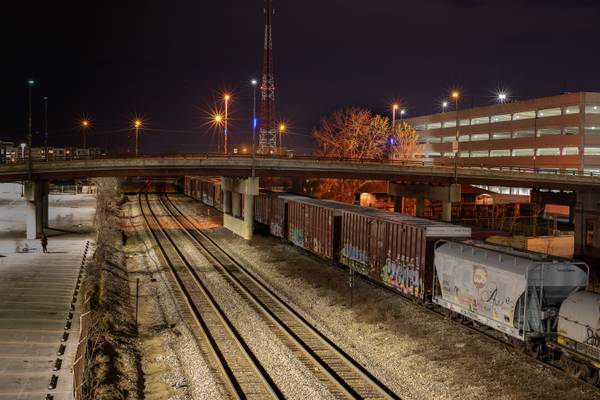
{"x": 222, "y": 351}
{"x": 353, "y": 377}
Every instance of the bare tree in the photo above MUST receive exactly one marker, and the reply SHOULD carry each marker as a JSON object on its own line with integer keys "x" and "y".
{"x": 404, "y": 142}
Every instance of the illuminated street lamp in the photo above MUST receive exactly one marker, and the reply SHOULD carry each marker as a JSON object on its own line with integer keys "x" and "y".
{"x": 502, "y": 97}
{"x": 281, "y": 131}
{"x": 254, "y": 83}
{"x": 226, "y": 97}
{"x": 394, "y": 109}
{"x": 402, "y": 112}
{"x": 85, "y": 124}
{"x": 137, "y": 124}
{"x": 456, "y": 97}
{"x": 444, "y": 106}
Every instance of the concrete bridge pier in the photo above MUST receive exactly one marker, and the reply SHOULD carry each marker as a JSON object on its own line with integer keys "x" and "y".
{"x": 36, "y": 195}
{"x": 446, "y": 194}
{"x": 238, "y": 205}
{"x": 587, "y": 224}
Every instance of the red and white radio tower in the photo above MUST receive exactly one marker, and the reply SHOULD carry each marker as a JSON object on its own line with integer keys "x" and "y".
{"x": 267, "y": 134}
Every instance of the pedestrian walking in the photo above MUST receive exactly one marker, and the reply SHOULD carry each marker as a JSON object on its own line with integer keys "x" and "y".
{"x": 44, "y": 241}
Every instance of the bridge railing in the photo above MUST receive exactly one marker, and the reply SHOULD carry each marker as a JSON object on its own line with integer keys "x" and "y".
{"x": 441, "y": 164}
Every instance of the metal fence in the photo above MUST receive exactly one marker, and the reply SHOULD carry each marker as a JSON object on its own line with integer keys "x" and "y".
{"x": 81, "y": 355}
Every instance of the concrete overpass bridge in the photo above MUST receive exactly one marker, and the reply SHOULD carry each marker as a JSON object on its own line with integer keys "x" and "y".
{"x": 409, "y": 178}
{"x": 415, "y": 172}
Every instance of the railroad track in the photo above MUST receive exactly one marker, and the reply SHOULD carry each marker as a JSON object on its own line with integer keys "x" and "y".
{"x": 240, "y": 370}
{"x": 343, "y": 376}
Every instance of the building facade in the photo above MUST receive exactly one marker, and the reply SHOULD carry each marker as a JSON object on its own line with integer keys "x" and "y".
{"x": 555, "y": 133}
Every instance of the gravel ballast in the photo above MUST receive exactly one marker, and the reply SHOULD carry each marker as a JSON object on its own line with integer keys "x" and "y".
{"x": 418, "y": 354}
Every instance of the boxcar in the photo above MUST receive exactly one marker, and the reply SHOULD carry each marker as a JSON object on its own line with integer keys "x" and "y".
{"x": 394, "y": 249}
{"x": 314, "y": 225}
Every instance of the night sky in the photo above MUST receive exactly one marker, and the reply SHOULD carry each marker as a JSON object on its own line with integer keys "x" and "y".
{"x": 169, "y": 61}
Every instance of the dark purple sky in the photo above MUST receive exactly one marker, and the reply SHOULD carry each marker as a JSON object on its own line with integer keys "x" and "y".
{"x": 170, "y": 60}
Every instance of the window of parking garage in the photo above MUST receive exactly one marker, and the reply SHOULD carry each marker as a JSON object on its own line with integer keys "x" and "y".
{"x": 433, "y": 154}
{"x": 592, "y": 109}
{"x": 500, "y": 135}
{"x": 420, "y": 128}
{"x": 434, "y": 125}
{"x": 448, "y": 154}
{"x": 524, "y": 115}
{"x": 500, "y": 118}
{"x": 570, "y": 151}
{"x": 448, "y": 139}
{"x": 548, "y": 151}
{"x": 449, "y": 124}
{"x": 522, "y": 152}
{"x": 422, "y": 140}
{"x": 572, "y": 110}
{"x": 480, "y": 120}
{"x": 548, "y": 132}
{"x": 500, "y": 153}
{"x": 480, "y": 153}
{"x": 479, "y": 137}
{"x": 463, "y": 154}
{"x": 465, "y": 122}
{"x": 591, "y": 151}
{"x": 587, "y": 171}
{"x": 549, "y": 112}
{"x": 591, "y": 130}
{"x": 522, "y": 134}
{"x": 464, "y": 138}
{"x": 434, "y": 139}
{"x": 570, "y": 130}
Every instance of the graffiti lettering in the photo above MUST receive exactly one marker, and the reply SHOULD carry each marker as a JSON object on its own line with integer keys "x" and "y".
{"x": 593, "y": 339}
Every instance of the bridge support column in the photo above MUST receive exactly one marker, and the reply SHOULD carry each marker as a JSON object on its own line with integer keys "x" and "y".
{"x": 420, "y": 206}
{"x": 36, "y": 195}
{"x": 238, "y": 205}
{"x": 446, "y": 194}
{"x": 587, "y": 225}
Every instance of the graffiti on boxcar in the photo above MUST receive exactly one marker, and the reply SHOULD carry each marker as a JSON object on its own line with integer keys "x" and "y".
{"x": 402, "y": 276}
{"x": 355, "y": 254}
{"x": 298, "y": 237}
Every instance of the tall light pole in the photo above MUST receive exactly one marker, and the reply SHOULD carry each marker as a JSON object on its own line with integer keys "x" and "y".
{"x": 456, "y": 97}
{"x": 137, "y": 124}
{"x": 281, "y": 131}
{"x": 85, "y": 124}
{"x": 444, "y": 106}
{"x": 46, "y": 127}
{"x": 30, "y": 84}
{"x": 394, "y": 109}
{"x": 402, "y": 112}
{"x": 227, "y": 97}
{"x": 254, "y": 83}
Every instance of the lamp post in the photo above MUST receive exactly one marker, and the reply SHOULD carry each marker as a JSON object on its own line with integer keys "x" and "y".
{"x": 456, "y": 97}
{"x": 137, "y": 124}
{"x": 30, "y": 84}
{"x": 46, "y": 127}
{"x": 402, "y": 112}
{"x": 502, "y": 97}
{"x": 394, "y": 109}
{"x": 444, "y": 105}
{"x": 227, "y": 97}
{"x": 85, "y": 124}
{"x": 281, "y": 131}
{"x": 254, "y": 83}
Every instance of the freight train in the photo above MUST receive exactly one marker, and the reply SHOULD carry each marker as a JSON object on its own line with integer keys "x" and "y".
{"x": 536, "y": 302}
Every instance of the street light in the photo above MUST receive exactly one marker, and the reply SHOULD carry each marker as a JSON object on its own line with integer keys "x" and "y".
{"x": 281, "y": 131}
{"x": 226, "y": 97}
{"x": 30, "y": 84}
{"x": 46, "y": 127}
{"x": 394, "y": 109}
{"x": 402, "y": 112}
{"x": 444, "y": 106}
{"x": 254, "y": 83}
{"x": 137, "y": 124}
{"x": 456, "y": 97}
{"x": 502, "y": 97}
{"x": 85, "y": 124}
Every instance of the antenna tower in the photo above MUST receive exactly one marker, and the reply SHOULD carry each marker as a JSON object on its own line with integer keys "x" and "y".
{"x": 267, "y": 134}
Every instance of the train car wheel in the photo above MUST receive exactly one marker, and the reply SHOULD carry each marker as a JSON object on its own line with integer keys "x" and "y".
{"x": 591, "y": 375}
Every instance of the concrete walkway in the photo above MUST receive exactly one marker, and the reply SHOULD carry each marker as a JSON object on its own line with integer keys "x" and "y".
{"x": 36, "y": 291}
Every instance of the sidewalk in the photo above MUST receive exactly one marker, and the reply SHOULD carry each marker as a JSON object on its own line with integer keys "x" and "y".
{"x": 36, "y": 292}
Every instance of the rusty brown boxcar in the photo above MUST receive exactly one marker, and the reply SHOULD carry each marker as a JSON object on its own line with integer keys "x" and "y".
{"x": 315, "y": 225}
{"x": 262, "y": 207}
{"x": 270, "y": 211}
{"x": 204, "y": 189}
{"x": 394, "y": 249}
